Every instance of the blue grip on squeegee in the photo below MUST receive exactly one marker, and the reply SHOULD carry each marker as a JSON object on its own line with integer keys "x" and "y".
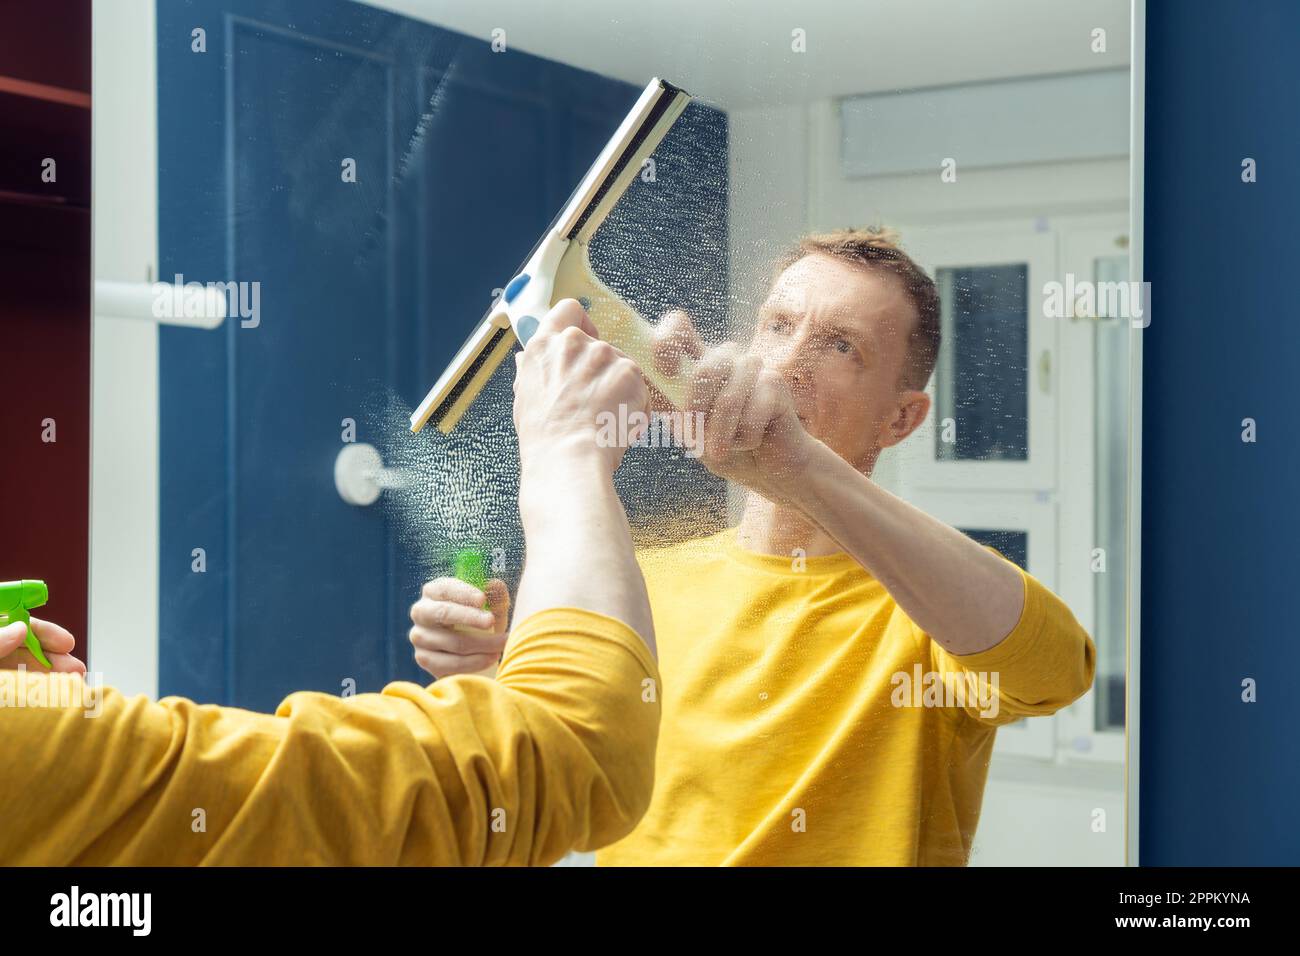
{"x": 517, "y": 283}
{"x": 525, "y": 329}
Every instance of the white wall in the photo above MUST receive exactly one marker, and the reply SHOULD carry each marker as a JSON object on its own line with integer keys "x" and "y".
{"x": 124, "y": 352}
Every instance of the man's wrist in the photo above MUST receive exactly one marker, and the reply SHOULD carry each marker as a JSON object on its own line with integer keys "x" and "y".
{"x": 573, "y": 465}
{"x": 558, "y": 450}
{"x": 801, "y": 487}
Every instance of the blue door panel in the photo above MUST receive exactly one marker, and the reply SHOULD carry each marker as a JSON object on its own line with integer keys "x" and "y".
{"x": 366, "y": 289}
{"x": 303, "y": 553}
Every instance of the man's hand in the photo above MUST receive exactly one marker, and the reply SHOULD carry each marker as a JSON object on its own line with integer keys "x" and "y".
{"x": 448, "y": 603}
{"x": 574, "y": 523}
{"x": 752, "y": 431}
{"x": 567, "y": 378}
{"x": 55, "y": 641}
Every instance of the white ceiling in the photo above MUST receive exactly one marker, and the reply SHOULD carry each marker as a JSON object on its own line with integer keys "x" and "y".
{"x": 737, "y": 53}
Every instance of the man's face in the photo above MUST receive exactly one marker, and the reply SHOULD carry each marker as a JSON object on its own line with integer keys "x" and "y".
{"x": 837, "y": 332}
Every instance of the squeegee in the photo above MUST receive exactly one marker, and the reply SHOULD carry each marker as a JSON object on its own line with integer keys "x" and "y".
{"x": 559, "y": 267}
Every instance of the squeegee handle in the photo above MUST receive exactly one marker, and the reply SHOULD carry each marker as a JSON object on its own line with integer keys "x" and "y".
{"x": 619, "y": 323}
{"x": 675, "y": 388}
{"x": 623, "y": 328}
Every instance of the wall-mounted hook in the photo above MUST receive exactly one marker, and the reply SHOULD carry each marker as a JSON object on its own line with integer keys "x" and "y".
{"x": 360, "y": 475}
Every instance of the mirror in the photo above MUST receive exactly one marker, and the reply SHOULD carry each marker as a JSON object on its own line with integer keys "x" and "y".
{"x": 366, "y": 178}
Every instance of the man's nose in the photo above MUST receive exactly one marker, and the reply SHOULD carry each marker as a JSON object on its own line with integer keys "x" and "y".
{"x": 789, "y": 356}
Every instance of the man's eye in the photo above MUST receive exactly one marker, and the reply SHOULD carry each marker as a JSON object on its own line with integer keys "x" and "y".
{"x": 778, "y": 325}
{"x": 844, "y": 346}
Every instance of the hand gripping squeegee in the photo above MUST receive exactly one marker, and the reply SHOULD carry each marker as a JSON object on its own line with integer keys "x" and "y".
{"x": 559, "y": 268}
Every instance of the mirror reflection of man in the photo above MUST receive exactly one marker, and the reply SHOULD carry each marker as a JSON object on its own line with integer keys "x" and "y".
{"x": 835, "y": 667}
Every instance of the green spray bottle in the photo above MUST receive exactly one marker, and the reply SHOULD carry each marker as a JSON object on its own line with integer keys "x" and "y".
{"x": 17, "y": 598}
{"x": 470, "y": 565}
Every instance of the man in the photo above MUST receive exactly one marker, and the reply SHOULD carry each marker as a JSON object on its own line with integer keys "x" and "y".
{"x": 790, "y": 645}
{"x": 556, "y": 754}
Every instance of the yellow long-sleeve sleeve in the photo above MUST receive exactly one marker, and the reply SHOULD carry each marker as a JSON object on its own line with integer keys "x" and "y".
{"x": 1047, "y": 662}
{"x": 556, "y": 754}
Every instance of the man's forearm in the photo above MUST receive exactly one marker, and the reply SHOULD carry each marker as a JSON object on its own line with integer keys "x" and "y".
{"x": 579, "y": 545}
{"x": 964, "y": 596}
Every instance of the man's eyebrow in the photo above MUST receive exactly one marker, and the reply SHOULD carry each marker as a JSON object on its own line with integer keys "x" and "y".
{"x": 776, "y": 308}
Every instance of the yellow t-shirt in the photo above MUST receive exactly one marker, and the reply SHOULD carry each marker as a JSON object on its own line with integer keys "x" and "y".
{"x": 788, "y": 739}
{"x": 557, "y": 753}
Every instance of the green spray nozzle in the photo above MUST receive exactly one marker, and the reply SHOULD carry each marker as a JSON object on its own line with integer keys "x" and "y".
{"x": 470, "y": 565}
{"x": 17, "y": 598}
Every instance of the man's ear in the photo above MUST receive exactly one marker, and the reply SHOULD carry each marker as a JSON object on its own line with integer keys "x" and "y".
{"x": 912, "y": 408}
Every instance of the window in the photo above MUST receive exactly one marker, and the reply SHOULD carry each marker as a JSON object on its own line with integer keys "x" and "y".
{"x": 981, "y": 379}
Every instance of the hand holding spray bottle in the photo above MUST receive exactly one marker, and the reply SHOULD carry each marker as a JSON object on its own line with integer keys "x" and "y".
{"x": 17, "y": 598}
{"x": 469, "y": 565}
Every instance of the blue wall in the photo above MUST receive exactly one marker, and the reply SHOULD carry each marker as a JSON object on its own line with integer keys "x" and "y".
{"x": 366, "y": 290}
{"x": 1220, "y": 779}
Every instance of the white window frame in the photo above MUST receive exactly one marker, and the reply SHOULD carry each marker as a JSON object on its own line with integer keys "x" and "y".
{"x": 974, "y": 246}
{"x": 124, "y": 560}
{"x": 1035, "y": 514}
{"x": 1082, "y": 241}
